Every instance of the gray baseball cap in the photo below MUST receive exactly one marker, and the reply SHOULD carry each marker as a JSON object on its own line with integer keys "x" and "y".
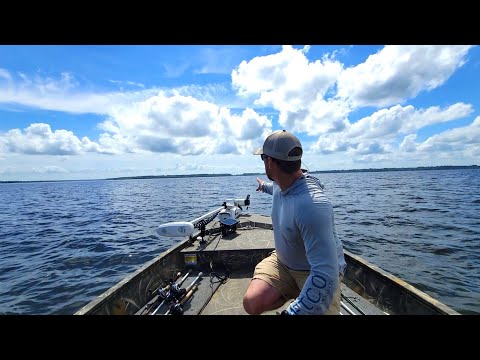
{"x": 278, "y": 144}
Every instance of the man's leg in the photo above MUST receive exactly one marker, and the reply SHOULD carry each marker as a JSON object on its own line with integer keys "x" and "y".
{"x": 260, "y": 297}
{"x": 270, "y": 287}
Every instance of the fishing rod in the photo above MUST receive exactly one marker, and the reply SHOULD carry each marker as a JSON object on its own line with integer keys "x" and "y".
{"x": 227, "y": 214}
{"x": 145, "y": 309}
{"x": 350, "y": 311}
{"x": 176, "y": 308}
{"x": 354, "y": 305}
{"x": 168, "y": 283}
{"x": 169, "y": 294}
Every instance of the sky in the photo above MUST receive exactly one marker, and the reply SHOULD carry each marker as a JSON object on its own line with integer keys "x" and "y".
{"x": 94, "y": 112}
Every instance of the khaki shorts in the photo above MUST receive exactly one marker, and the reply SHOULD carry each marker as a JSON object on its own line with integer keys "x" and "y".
{"x": 289, "y": 282}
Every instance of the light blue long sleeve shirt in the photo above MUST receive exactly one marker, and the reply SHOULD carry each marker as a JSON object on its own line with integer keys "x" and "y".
{"x": 306, "y": 239}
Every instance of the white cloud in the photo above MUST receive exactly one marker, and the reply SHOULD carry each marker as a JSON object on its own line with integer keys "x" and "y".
{"x": 175, "y": 70}
{"x": 401, "y": 120}
{"x": 458, "y": 139}
{"x": 218, "y": 93}
{"x": 386, "y": 125}
{"x": 288, "y": 82}
{"x": 8, "y": 170}
{"x": 305, "y": 93}
{"x": 408, "y": 143}
{"x": 62, "y": 94}
{"x": 287, "y": 75}
{"x": 372, "y": 147}
{"x": 319, "y": 117}
{"x": 136, "y": 121}
{"x": 459, "y": 146}
{"x": 185, "y": 125}
{"x": 65, "y": 94}
{"x": 186, "y": 167}
{"x": 217, "y": 61}
{"x": 5, "y": 75}
{"x": 109, "y": 144}
{"x": 160, "y": 123}
{"x": 306, "y": 49}
{"x": 123, "y": 83}
{"x": 198, "y": 121}
{"x": 399, "y": 72}
{"x": 49, "y": 170}
{"x": 39, "y": 138}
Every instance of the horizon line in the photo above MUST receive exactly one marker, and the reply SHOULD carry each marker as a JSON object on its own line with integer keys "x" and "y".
{"x": 440, "y": 167}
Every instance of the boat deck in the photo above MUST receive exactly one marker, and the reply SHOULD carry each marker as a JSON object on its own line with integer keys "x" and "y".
{"x": 227, "y": 263}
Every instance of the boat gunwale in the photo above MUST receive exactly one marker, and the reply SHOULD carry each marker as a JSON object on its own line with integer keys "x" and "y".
{"x": 110, "y": 292}
{"x": 402, "y": 284}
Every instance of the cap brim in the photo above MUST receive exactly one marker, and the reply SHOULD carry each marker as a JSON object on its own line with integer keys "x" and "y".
{"x": 259, "y": 151}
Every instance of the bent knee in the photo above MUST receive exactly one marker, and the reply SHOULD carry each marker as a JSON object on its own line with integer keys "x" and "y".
{"x": 251, "y": 306}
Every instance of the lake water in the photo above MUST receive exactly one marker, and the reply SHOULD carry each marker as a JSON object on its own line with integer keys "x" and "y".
{"x": 64, "y": 243}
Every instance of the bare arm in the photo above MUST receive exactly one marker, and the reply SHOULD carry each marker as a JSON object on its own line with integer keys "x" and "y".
{"x": 264, "y": 186}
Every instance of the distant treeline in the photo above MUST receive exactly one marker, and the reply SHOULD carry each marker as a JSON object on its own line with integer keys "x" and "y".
{"x": 420, "y": 168}
{"x": 447, "y": 167}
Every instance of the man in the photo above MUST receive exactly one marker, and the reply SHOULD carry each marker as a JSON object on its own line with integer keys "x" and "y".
{"x": 308, "y": 262}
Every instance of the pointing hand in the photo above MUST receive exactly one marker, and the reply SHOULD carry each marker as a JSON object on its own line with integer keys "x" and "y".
{"x": 260, "y": 183}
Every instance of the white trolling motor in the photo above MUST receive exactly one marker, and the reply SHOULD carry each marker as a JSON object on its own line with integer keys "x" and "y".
{"x": 228, "y": 215}
{"x": 232, "y": 209}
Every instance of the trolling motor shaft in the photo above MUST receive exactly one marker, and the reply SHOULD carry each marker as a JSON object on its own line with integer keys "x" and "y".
{"x": 227, "y": 215}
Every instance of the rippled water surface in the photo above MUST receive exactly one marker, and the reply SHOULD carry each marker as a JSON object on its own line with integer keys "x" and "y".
{"x": 63, "y": 243}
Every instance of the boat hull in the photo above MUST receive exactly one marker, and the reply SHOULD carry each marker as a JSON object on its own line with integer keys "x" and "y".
{"x": 366, "y": 289}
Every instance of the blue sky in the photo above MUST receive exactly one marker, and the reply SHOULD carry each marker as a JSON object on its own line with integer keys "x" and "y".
{"x": 89, "y": 112}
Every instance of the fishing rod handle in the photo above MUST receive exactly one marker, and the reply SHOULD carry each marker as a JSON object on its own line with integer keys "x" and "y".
{"x": 184, "y": 277}
{"x": 189, "y": 294}
{"x": 200, "y": 274}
